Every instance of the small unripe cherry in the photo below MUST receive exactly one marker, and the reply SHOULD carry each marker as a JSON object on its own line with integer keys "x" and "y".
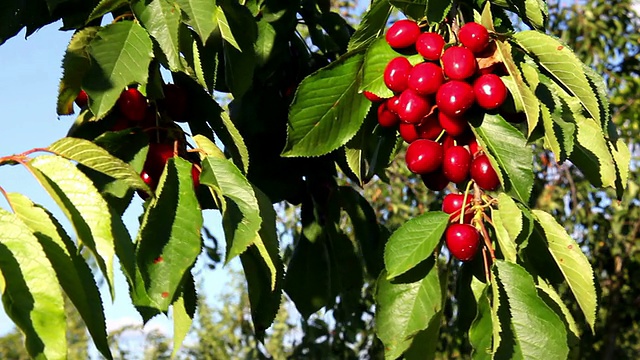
{"x": 458, "y": 63}
{"x": 403, "y": 33}
{"x": 371, "y": 96}
{"x": 456, "y": 164}
{"x": 412, "y": 107}
{"x": 425, "y": 78}
{"x": 385, "y": 117}
{"x": 474, "y": 36}
{"x": 423, "y": 156}
{"x": 82, "y": 100}
{"x": 453, "y": 125}
{"x": 396, "y": 74}
{"x": 455, "y": 97}
{"x": 484, "y": 174}
{"x": 430, "y": 45}
{"x": 463, "y": 241}
{"x": 489, "y": 91}
{"x": 132, "y": 104}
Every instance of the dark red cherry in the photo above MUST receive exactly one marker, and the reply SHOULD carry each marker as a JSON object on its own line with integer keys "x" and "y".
{"x": 413, "y": 107}
{"x": 430, "y": 45}
{"x": 435, "y": 180}
{"x": 424, "y": 156}
{"x": 489, "y": 90}
{"x": 463, "y": 241}
{"x": 429, "y": 128}
{"x": 403, "y": 33}
{"x": 474, "y": 36}
{"x": 195, "y": 175}
{"x": 483, "y": 173}
{"x": 455, "y": 97}
{"x": 456, "y": 164}
{"x": 82, "y": 100}
{"x": 385, "y": 117}
{"x": 132, "y": 104}
{"x": 458, "y": 63}
{"x": 157, "y": 157}
{"x": 176, "y": 102}
{"x": 396, "y": 74}
{"x": 453, "y": 125}
{"x": 425, "y": 78}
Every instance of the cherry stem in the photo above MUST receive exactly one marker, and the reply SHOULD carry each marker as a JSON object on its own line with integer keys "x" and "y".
{"x": 464, "y": 201}
{"x": 123, "y": 16}
{"x": 487, "y": 240}
{"x": 485, "y": 262}
{"x": 440, "y": 136}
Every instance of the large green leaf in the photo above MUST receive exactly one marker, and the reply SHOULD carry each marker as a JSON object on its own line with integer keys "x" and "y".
{"x": 378, "y": 55}
{"x": 162, "y": 20}
{"x": 555, "y": 299}
{"x": 104, "y": 7}
{"x": 169, "y": 239}
{"x": 181, "y": 324}
{"x": 225, "y": 30}
{"x": 539, "y": 331}
{"x": 31, "y": 296}
{"x": 414, "y": 242}
{"x": 404, "y": 309}
{"x": 372, "y": 25}
{"x": 591, "y": 154}
{"x": 73, "y": 273}
{"x": 573, "y": 263}
{"x": 434, "y": 10}
{"x": 557, "y": 118}
{"x": 200, "y": 15}
{"x": 17, "y": 14}
{"x": 264, "y": 269}
{"x": 563, "y": 65}
{"x": 75, "y": 64}
{"x": 241, "y": 215}
{"x": 508, "y": 224}
{"x": 83, "y": 205}
{"x": 512, "y": 154}
{"x": 239, "y": 58}
{"x": 121, "y": 54}
{"x": 94, "y": 157}
{"x": 481, "y": 330}
{"x": 327, "y": 110}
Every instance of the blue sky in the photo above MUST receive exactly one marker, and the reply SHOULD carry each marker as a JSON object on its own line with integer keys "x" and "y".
{"x": 29, "y": 74}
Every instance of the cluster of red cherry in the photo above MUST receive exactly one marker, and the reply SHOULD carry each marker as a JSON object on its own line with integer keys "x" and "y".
{"x": 135, "y": 110}
{"x": 431, "y": 102}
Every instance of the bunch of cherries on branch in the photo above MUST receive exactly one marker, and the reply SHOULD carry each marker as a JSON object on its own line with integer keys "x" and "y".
{"x": 430, "y": 108}
{"x": 157, "y": 119}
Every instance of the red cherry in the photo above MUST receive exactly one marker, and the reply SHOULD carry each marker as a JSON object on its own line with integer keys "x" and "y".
{"x": 408, "y": 132}
{"x": 435, "y": 180}
{"x": 385, "y": 117}
{"x": 458, "y": 63}
{"x": 413, "y": 107}
{"x": 430, "y": 45}
{"x": 455, "y": 97}
{"x": 489, "y": 90}
{"x": 393, "y": 104}
{"x": 157, "y": 157}
{"x": 447, "y": 142}
{"x": 423, "y": 156}
{"x": 463, "y": 241}
{"x": 429, "y": 128}
{"x": 82, "y": 100}
{"x": 453, "y": 125}
{"x": 452, "y": 203}
{"x": 396, "y": 74}
{"x": 121, "y": 123}
{"x": 425, "y": 78}
{"x": 371, "y": 96}
{"x": 176, "y": 102}
{"x": 456, "y": 164}
{"x": 474, "y": 36}
{"x": 403, "y": 33}
{"x": 195, "y": 174}
{"x": 474, "y": 147}
{"x": 132, "y": 104}
{"x": 483, "y": 173}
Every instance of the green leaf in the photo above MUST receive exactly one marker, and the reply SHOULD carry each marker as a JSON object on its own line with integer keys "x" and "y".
{"x": 404, "y": 309}
{"x": 104, "y": 7}
{"x": 182, "y": 321}
{"x": 522, "y": 93}
{"x": 591, "y": 154}
{"x": 481, "y": 330}
{"x": 73, "y": 273}
{"x": 548, "y": 290}
{"x": 75, "y": 64}
{"x": 265, "y": 42}
{"x": 200, "y": 15}
{"x": 327, "y": 110}
{"x": 538, "y": 330}
{"x": 371, "y": 26}
{"x": 162, "y": 21}
{"x": 94, "y": 157}
{"x": 31, "y": 296}
{"x": 433, "y": 10}
{"x": 169, "y": 239}
{"x": 425, "y": 342}
{"x": 264, "y": 269}
{"x": 563, "y": 65}
{"x": 376, "y": 59}
{"x": 559, "y": 128}
{"x": 512, "y": 154}
{"x": 573, "y": 263}
{"x": 85, "y": 208}
{"x": 225, "y": 30}
{"x": 622, "y": 158}
{"x": 121, "y": 54}
{"x": 414, "y": 242}
{"x": 240, "y": 60}
{"x": 241, "y": 216}
{"x": 508, "y": 224}
{"x": 533, "y": 12}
